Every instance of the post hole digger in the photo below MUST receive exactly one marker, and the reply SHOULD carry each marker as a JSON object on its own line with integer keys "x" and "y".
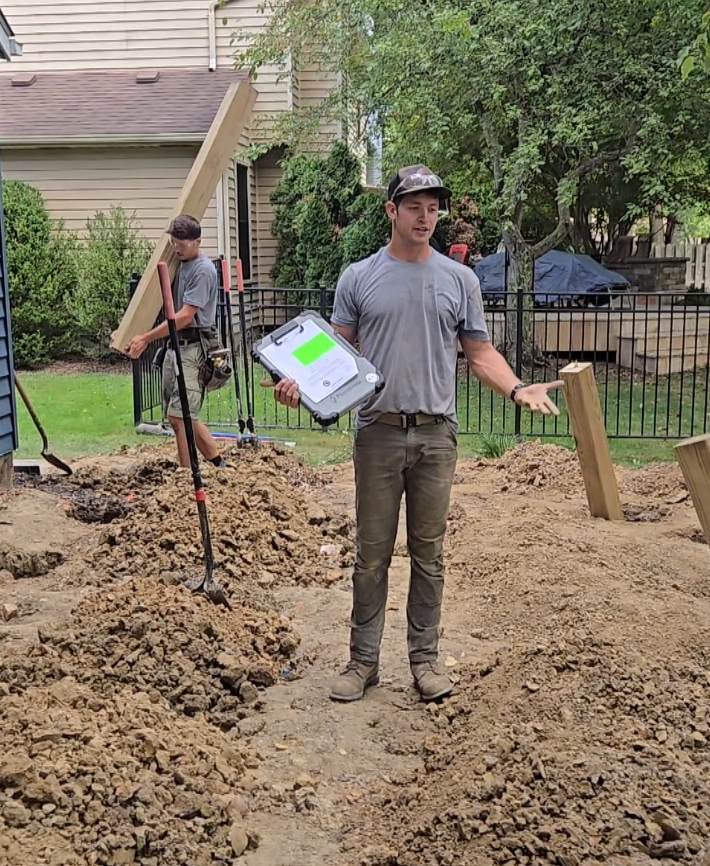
{"x": 245, "y": 353}
{"x": 232, "y": 345}
{"x": 206, "y": 584}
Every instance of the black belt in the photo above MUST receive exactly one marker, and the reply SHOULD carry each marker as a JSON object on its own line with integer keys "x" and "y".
{"x": 405, "y": 421}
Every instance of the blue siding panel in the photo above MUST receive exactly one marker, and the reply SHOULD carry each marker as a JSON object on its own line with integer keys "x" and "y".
{"x": 8, "y": 408}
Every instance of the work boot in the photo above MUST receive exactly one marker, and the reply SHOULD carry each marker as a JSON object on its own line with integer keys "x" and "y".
{"x": 430, "y": 682}
{"x": 351, "y": 684}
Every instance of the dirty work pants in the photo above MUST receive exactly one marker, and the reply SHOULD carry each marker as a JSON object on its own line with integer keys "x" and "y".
{"x": 420, "y": 463}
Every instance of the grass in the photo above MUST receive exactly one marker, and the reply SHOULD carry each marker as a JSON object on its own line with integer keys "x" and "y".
{"x": 91, "y": 413}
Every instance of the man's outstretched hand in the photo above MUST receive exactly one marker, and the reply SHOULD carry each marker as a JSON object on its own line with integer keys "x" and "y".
{"x": 285, "y": 392}
{"x": 536, "y": 397}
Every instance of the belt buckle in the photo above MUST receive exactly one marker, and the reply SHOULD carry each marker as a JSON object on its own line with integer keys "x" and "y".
{"x": 408, "y": 420}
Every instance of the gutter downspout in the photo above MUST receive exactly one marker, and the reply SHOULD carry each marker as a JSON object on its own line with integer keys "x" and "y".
{"x": 212, "y": 33}
{"x": 221, "y": 193}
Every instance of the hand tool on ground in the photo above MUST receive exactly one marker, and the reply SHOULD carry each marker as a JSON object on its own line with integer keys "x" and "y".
{"x": 243, "y": 329}
{"x": 232, "y": 346}
{"x": 50, "y": 458}
{"x": 207, "y": 584}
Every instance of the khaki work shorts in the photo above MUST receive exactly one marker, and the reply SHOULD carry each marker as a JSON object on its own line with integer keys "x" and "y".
{"x": 192, "y": 357}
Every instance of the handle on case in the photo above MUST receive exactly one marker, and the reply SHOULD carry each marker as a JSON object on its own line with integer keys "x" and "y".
{"x": 225, "y": 276}
{"x": 166, "y": 291}
{"x": 277, "y": 342}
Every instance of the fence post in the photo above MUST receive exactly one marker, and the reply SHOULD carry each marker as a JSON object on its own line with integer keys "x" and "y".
{"x": 519, "y": 340}
{"x": 135, "y": 365}
{"x": 322, "y": 301}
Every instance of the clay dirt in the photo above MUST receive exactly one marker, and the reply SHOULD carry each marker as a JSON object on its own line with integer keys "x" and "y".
{"x": 140, "y": 724}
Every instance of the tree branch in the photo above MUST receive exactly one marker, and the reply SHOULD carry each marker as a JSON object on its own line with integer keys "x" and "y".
{"x": 494, "y": 147}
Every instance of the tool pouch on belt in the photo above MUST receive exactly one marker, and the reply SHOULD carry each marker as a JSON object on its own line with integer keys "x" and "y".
{"x": 215, "y": 370}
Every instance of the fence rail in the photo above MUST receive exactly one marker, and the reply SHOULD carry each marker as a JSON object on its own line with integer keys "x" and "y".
{"x": 651, "y": 355}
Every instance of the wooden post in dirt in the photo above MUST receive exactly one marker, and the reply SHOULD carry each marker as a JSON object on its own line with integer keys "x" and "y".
{"x": 694, "y": 458}
{"x": 590, "y": 437}
{"x": 209, "y": 166}
{"x": 6, "y": 471}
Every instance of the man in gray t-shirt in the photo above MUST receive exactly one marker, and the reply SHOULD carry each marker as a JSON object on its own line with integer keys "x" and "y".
{"x": 195, "y": 293}
{"x": 409, "y": 307}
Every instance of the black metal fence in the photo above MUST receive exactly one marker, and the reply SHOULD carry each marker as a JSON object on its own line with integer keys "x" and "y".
{"x": 651, "y": 357}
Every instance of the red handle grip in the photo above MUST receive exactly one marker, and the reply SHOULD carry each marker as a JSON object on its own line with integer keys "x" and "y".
{"x": 166, "y": 291}
{"x": 240, "y": 276}
{"x": 225, "y": 276}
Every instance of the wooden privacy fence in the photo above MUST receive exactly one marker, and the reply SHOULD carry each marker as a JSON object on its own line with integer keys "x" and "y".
{"x": 697, "y": 268}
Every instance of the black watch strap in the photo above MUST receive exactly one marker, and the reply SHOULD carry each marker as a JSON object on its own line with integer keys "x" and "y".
{"x": 515, "y": 390}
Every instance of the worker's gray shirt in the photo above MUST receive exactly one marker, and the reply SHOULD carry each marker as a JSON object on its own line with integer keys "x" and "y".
{"x": 196, "y": 284}
{"x": 409, "y": 317}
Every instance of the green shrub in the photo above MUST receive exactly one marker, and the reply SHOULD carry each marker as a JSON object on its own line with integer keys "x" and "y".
{"x": 323, "y": 220}
{"x": 41, "y": 262}
{"x": 113, "y": 249}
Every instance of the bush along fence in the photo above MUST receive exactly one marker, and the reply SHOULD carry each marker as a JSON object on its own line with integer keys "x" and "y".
{"x": 651, "y": 356}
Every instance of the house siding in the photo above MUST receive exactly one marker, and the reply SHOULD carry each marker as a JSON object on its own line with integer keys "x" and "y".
{"x": 77, "y": 182}
{"x": 132, "y": 34}
{"x": 8, "y": 409}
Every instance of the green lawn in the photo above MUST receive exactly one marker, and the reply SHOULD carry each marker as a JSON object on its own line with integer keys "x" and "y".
{"x": 91, "y": 413}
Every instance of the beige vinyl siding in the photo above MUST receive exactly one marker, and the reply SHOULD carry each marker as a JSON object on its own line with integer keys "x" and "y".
{"x": 132, "y": 34}
{"x": 268, "y": 173}
{"x": 314, "y": 86}
{"x": 77, "y": 182}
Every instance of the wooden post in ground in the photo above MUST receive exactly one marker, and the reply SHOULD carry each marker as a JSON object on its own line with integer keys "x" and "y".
{"x": 694, "y": 458}
{"x": 590, "y": 437}
{"x": 6, "y": 471}
{"x": 209, "y": 166}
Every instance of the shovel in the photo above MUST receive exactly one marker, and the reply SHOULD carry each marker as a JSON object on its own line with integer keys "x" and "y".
{"x": 50, "y": 458}
{"x": 205, "y": 585}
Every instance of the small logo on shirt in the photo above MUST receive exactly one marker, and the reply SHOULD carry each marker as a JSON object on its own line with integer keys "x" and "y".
{"x": 430, "y": 287}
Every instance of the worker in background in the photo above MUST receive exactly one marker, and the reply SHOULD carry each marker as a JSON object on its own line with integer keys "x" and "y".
{"x": 195, "y": 295}
{"x": 408, "y": 306}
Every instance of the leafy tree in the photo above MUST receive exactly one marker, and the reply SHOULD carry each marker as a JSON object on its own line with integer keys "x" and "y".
{"x": 549, "y": 97}
{"x": 41, "y": 263}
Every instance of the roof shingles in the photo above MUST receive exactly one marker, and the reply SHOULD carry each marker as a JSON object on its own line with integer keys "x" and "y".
{"x": 84, "y": 105}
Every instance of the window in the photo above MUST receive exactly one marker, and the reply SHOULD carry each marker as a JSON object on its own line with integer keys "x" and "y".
{"x": 243, "y": 244}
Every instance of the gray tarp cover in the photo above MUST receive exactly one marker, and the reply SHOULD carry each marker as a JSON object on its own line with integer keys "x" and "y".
{"x": 557, "y": 275}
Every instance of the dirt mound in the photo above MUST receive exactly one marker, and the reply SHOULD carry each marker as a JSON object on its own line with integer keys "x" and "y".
{"x": 662, "y": 481}
{"x": 164, "y": 641}
{"x": 266, "y": 526}
{"x": 531, "y": 466}
{"x": 571, "y": 753}
{"x": 89, "y": 779}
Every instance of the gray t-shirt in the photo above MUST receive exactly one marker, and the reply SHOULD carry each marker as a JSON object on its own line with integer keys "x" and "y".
{"x": 196, "y": 284}
{"x": 409, "y": 317}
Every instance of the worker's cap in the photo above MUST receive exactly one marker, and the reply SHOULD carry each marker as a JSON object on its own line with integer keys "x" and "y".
{"x": 417, "y": 178}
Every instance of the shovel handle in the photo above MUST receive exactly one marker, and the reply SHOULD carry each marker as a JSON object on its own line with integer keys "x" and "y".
{"x": 225, "y": 276}
{"x": 166, "y": 291}
{"x": 240, "y": 277}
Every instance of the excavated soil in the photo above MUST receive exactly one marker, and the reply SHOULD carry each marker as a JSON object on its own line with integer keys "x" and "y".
{"x": 155, "y": 728}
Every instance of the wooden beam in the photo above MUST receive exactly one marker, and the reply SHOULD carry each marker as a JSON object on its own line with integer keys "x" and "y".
{"x": 694, "y": 458}
{"x": 211, "y": 162}
{"x": 6, "y": 471}
{"x": 585, "y": 415}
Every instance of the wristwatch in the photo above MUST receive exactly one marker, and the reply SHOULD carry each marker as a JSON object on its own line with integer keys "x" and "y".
{"x": 515, "y": 390}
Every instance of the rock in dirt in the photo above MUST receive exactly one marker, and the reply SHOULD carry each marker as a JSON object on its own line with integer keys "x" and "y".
{"x": 6, "y": 577}
{"x": 9, "y": 611}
